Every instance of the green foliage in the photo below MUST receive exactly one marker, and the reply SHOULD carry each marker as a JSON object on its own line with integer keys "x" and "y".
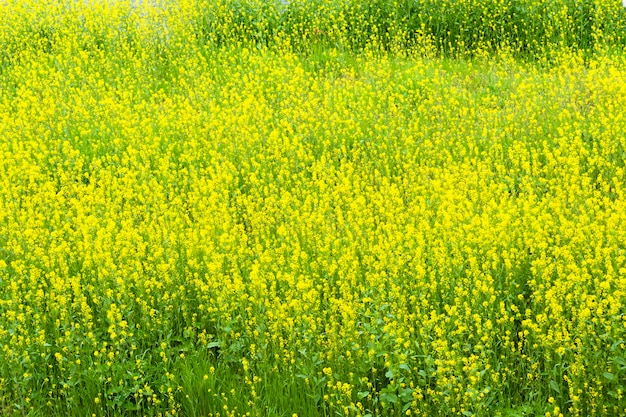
{"x": 526, "y": 27}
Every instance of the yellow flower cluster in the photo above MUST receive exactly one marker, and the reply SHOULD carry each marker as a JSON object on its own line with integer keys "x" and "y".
{"x": 197, "y": 228}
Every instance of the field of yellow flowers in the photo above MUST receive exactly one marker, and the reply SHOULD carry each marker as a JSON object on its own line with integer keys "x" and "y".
{"x": 312, "y": 208}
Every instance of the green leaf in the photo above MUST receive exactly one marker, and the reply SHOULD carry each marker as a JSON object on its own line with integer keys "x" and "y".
{"x": 212, "y": 345}
{"x": 131, "y": 407}
{"x": 362, "y": 394}
{"x": 609, "y": 376}
{"x": 390, "y": 374}
{"x": 468, "y": 413}
{"x": 406, "y": 395}
{"x": 389, "y": 397}
{"x": 555, "y": 386}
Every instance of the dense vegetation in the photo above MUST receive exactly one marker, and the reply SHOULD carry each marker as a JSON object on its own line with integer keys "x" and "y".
{"x": 312, "y": 208}
{"x": 527, "y": 27}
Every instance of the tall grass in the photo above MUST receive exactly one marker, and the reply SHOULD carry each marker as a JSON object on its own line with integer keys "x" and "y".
{"x": 453, "y": 27}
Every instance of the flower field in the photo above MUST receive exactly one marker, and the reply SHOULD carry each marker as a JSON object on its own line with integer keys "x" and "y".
{"x": 312, "y": 208}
